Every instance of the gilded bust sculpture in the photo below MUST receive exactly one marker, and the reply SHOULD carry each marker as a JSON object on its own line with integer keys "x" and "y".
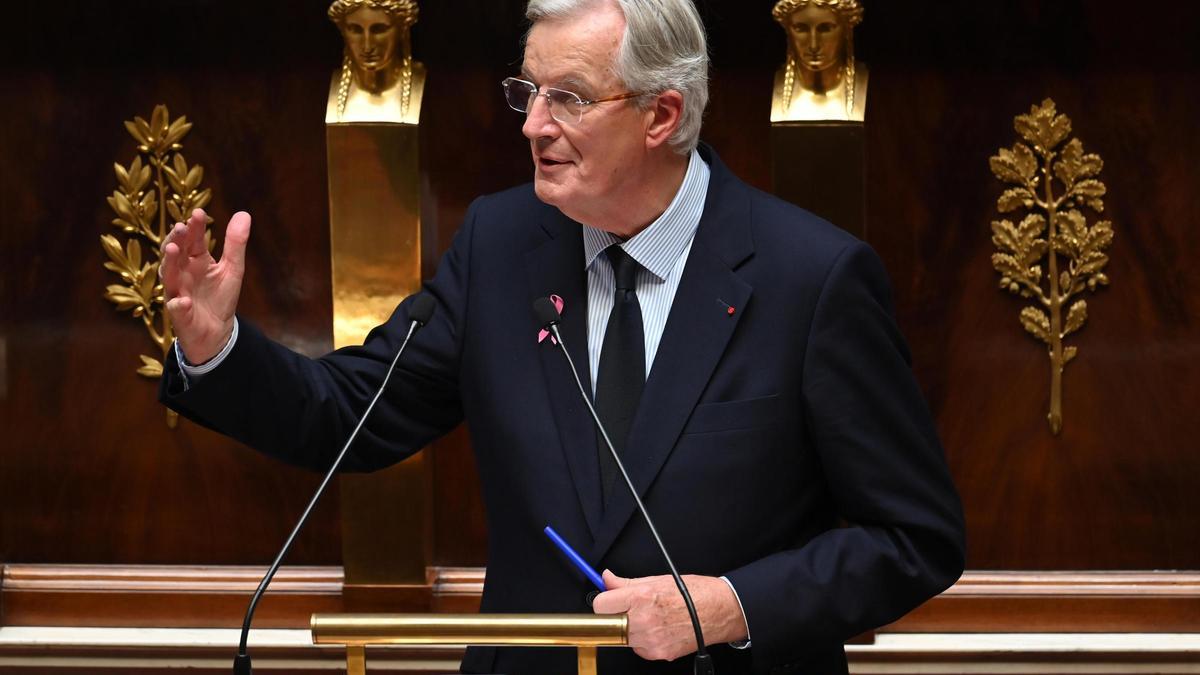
{"x": 378, "y": 81}
{"x": 820, "y": 80}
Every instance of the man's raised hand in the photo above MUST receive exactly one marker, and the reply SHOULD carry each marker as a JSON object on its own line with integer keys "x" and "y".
{"x": 202, "y": 293}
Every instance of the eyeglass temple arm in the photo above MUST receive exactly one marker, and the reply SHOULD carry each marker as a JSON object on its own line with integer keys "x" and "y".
{"x": 618, "y": 97}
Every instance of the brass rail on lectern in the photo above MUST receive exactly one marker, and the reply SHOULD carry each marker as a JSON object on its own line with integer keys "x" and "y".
{"x": 357, "y": 631}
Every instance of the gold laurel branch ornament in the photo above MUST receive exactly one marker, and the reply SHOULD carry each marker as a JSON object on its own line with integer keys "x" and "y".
{"x": 157, "y": 183}
{"x": 1053, "y": 232}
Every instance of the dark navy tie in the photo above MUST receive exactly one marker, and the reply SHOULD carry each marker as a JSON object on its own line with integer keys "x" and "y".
{"x": 622, "y": 372}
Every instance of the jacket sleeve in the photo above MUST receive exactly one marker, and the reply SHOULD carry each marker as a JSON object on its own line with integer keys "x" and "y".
{"x": 885, "y": 472}
{"x": 301, "y": 410}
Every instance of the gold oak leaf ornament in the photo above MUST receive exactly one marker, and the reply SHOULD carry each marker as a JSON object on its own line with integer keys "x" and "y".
{"x": 1051, "y": 181}
{"x": 157, "y": 183}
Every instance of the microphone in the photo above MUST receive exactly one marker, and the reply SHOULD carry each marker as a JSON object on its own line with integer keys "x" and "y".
{"x": 419, "y": 312}
{"x": 547, "y": 316}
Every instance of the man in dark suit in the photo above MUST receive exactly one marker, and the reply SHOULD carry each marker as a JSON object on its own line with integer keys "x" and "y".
{"x": 742, "y": 351}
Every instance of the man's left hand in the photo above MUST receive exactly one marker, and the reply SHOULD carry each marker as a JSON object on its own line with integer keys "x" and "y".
{"x": 659, "y": 627}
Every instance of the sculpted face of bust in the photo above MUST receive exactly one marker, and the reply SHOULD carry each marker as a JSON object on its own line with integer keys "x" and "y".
{"x": 372, "y": 37}
{"x": 816, "y": 36}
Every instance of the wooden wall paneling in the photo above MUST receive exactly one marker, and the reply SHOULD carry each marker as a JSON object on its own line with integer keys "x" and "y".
{"x": 91, "y": 472}
{"x": 1117, "y": 489}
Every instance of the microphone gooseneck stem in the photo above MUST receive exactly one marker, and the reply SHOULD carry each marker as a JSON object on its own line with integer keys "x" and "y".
{"x": 241, "y": 663}
{"x": 703, "y": 660}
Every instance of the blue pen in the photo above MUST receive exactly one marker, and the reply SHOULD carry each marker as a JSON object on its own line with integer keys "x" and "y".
{"x": 575, "y": 558}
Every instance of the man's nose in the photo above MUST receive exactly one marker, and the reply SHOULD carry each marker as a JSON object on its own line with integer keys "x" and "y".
{"x": 538, "y": 121}
{"x": 814, "y": 40}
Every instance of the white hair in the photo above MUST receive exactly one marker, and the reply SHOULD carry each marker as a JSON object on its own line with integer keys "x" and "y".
{"x": 663, "y": 48}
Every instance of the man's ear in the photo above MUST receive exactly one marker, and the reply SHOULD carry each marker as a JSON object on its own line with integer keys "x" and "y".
{"x": 664, "y": 117}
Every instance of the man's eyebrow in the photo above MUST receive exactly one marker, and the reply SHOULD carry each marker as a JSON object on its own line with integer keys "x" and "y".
{"x": 568, "y": 81}
{"x": 572, "y": 80}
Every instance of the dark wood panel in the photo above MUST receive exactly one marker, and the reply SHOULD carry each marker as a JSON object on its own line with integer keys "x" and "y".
{"x": 1118, "y": 488}
{"x": 460, "y": 529}
{"x": 85, "y": 442}
{"x": 91, "y": 474}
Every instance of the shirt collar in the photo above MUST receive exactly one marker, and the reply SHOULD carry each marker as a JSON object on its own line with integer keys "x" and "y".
{"x": 659, "y": 246}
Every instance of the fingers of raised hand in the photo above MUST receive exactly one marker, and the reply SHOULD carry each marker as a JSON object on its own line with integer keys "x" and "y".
{"x": 162, "y": 265}
{"x": 172, "y": 262}
{"x": 193, "y": 240}
{"x": 237, "y": 234}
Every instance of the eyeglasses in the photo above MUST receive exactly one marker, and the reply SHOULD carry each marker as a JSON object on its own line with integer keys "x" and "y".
{"x": 565, "y": 106}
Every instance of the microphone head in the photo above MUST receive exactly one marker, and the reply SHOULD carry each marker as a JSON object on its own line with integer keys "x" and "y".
{"x": 545, "y": 311}
{"x": 421, "y": 309}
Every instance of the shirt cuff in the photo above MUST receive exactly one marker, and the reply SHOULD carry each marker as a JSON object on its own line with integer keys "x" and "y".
{"x": 740, "y": 644}
{"x": 191, "y": 372}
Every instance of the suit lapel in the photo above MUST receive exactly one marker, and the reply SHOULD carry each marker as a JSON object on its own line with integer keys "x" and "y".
{"x": 556, "y": 267}
{"x": 698, "y": 329}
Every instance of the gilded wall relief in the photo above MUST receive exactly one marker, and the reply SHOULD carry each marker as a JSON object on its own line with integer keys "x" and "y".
{"x": 157, "y": 183}
{"x": 1052, "y": 255}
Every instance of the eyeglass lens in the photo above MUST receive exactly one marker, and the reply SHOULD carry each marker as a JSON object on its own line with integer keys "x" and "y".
{"x": 565, "y": 106}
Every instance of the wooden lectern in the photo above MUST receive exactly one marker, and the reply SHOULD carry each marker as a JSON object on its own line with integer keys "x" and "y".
{"x": 583, "y": 631}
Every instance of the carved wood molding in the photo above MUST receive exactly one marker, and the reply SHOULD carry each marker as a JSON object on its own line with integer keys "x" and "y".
{"x": 165, "y": 596}
{"x": 216, "y": 596}
{"x": 67, "y": 651}
{"x": 1090, "y": 602}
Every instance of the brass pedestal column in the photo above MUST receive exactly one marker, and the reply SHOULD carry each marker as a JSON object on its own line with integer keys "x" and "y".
{"x": 822, "y": 166}
{"x": 375, "y": 244}
{"x": 818, "y": 108}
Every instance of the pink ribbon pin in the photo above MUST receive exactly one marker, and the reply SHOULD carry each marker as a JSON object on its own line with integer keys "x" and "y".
{"x": 543, "y": 334}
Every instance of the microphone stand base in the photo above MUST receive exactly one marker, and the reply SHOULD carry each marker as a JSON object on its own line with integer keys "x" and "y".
{"x": 241, "y": 665}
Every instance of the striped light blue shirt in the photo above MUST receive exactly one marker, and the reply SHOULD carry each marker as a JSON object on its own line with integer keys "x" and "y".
{"x": 662, "y": 251}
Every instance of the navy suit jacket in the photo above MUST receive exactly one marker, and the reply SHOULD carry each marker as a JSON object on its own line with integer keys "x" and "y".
{"x": 784, "y": 444}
